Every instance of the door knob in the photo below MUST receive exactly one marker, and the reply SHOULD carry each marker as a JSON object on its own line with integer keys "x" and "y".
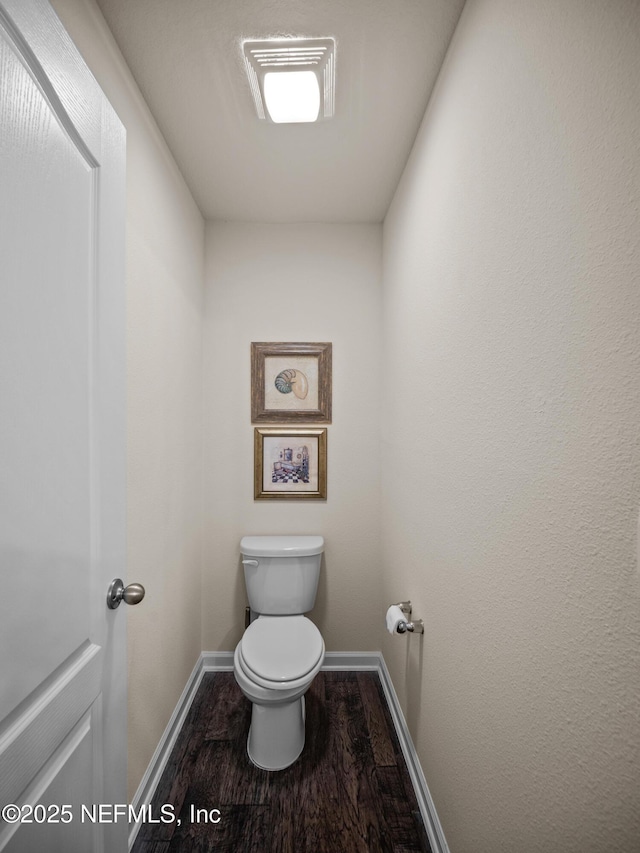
{"x": 131, "y": 594}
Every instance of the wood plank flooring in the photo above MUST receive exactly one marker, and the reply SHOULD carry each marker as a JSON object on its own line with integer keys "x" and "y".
{"x": 349, "y": 792}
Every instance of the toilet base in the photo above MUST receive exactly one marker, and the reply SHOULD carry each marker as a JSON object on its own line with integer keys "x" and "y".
{"x": 276, "y": 735}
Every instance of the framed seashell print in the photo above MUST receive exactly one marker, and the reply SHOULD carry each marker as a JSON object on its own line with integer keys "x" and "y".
{"x": 291, "y": 383}
{"x": 290, "y": 463}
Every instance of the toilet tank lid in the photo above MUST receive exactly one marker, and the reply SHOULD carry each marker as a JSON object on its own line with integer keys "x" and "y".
{"x": 281, "y": 546}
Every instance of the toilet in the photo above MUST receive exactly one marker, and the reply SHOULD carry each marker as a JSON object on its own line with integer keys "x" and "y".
{"x": 281, "y": 651}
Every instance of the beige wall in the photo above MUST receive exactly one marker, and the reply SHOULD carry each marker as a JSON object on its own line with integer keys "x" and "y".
{"x": 512, "y": 385}
{"x": 294, "y": 283}
{"x": 165, "y": 256}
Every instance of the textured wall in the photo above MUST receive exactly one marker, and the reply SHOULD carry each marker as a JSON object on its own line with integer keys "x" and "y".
{"x": 511, "y": 472}
{"x": 165, "y": 255}
{"x": 294, "y": 283}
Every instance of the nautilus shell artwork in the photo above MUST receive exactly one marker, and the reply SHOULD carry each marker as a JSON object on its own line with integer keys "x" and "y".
{"x": 292, "y": 380}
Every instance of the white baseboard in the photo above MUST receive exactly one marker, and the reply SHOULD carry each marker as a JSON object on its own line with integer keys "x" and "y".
{"x": 351, "y": 661}
{"x": 216, "y": 661}
{"x": 159, "y": 759}
{"x": 425, "y": 801}
{"x": 345, "y": 661}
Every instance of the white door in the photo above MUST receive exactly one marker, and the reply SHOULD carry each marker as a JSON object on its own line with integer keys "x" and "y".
{"x": 62, "y": 514}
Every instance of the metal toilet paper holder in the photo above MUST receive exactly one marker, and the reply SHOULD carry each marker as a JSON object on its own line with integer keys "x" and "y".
{"x": 413, "y": 627}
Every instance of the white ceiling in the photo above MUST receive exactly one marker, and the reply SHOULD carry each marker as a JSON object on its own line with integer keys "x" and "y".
{"x": 186, "y": 57}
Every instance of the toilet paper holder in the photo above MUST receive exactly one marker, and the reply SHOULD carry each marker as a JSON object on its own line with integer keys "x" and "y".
{"x": 413, "y": 627}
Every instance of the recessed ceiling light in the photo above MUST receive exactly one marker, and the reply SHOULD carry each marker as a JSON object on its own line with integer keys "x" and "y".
{"x": 292, "y": 80}
{"x": 292, "y": 97}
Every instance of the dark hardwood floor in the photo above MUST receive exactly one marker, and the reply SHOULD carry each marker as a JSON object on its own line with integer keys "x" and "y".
{"x": 349, "y": 792}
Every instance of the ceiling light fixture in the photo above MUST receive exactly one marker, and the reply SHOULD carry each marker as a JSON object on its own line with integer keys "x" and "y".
{"x": 292, "y": 80}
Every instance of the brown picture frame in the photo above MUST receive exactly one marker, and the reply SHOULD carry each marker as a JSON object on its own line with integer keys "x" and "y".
{"x": 290, "y": 464}
{"x": 291, "y": 383}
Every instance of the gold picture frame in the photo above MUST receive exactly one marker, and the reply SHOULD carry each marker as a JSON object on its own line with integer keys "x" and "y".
{"x": 291, "y": 383}
{"x": 290, "y": 464}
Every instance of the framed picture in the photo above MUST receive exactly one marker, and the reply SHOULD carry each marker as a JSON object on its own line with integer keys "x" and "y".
{"x": 290, "y": 463}
{"x": 291, "y": 383}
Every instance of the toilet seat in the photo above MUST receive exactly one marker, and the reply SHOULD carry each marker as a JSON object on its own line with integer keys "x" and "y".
{"x": 281, "y": 652}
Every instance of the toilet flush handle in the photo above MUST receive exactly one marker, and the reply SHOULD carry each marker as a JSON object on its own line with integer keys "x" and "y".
{"x": 250, "y": 563}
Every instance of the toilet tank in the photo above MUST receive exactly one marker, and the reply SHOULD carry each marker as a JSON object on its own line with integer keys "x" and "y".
{"x": 281, "y": 572}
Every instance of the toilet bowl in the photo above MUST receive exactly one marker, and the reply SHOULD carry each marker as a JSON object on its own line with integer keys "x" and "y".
{"x": 274, "y": 665}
